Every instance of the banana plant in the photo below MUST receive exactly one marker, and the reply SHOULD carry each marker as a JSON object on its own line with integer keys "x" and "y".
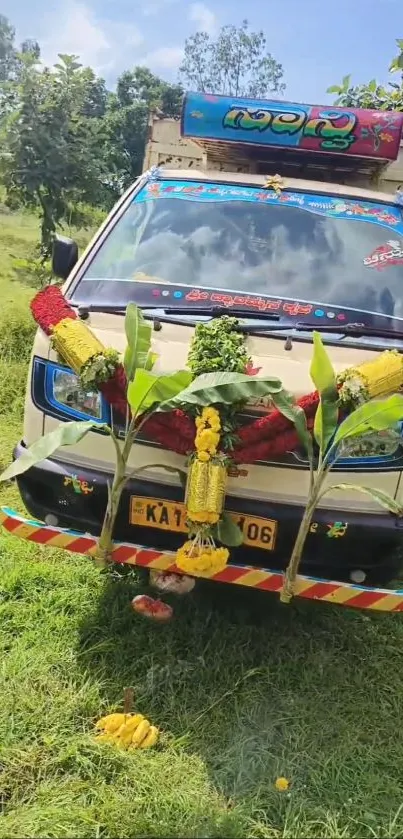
{"x": 334, "y": 441}
{"x": 147, "y": 392}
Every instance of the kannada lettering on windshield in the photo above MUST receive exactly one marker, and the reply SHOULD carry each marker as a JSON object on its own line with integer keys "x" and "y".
{"x": 391, "y": 253}
{"x": 262, "y": 304}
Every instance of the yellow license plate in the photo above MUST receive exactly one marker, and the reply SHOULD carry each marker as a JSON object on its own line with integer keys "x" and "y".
{"x": 168, "y": 515}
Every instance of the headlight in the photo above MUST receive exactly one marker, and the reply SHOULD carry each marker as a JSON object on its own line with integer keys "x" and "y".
{"x": 379, "y": 445}
{"x": 68, "y": 392}
{"x": 58, "y": 391}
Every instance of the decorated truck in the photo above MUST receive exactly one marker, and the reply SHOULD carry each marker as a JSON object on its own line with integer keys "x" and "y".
{"x": 215, "y": 390}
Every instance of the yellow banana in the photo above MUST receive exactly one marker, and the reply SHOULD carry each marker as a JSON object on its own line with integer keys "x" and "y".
{"x": 111, "y": 722}
{"x": 140, "y": 733}
{"x": 125, "y": 733}
{"x": 150, "y": 739}
{"x": 105, "y": 738}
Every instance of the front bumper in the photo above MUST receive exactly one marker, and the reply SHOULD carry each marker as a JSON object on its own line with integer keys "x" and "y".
{"x": 343, "y": 594}
{"x": 368, "y": 543}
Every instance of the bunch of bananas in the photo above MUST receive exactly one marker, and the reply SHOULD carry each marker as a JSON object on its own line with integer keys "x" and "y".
{"x": 130, "y": 731}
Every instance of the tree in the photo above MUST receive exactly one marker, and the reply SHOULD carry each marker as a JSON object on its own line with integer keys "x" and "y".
{"x": 54, "y": 142}
{"x": 140, "y": 86}
{"x": 235, "y": 64}
{"x": 373, "y": 94}
{"x": 31, "y": 46}
{"x": 138, "y": 92}
{"x": 7, "y": 49}
{"x": 10, "y": 64}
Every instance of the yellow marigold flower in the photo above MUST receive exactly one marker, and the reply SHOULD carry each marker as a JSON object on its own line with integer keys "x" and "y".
{"x": 203, "y": 456}
{"x": 203, "y": 561}
{"x": 215, "y": 426}
{"x": 205, "y": 517}
{"x": 282, "y": 784}
{"x": 211, "y": 415}
{"x": 202, "y": 517}
{"x": 206, "y": 439}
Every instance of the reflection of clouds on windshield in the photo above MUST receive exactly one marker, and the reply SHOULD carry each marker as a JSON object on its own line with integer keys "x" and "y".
{"x": 323, "y": 268}
{"x": 261, "y": 249}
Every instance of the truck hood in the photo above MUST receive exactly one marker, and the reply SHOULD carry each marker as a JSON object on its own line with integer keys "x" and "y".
{"x": 277, "y": 483}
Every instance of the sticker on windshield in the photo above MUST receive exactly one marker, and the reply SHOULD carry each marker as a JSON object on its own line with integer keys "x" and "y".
{"x": 262, "y": 304}
{"x": 391, "y": 253}
{"x": 384, "y": 215}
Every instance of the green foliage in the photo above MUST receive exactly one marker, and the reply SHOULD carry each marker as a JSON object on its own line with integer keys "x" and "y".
{"x": 69, "y": 143}
{"x": 147, "y": 389}
{"x": 236, "y": 63}
{"x": 8, "y": 54}
{"x": 126, "y": 121}
{"x": 228, "y": 532}
{"x": 324, "y": 379}
{"x": 99, "y": 369}
{"x": 33, "y": 272}
{"x": 144, "y": 388}
{"x": 285, "y": 403}
{"x": 138, "y": 336}
{"x": 373, "y": 95}
{"x": 66, "y": 434}
{"x": 223, "y": 389}
{"x": 377, "y": 415}
{"x": 373, "y": 416}
{"x": 382, "y": 498}
{"x": 17, "y": 330}
{"x": 53, "y": 141}
{"x": 218, "y": 346}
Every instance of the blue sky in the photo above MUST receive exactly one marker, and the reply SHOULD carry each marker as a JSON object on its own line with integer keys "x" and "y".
{"x": 317, "y": 42}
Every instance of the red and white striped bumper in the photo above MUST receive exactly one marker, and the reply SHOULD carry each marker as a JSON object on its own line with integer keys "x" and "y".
{"x": 310, "y": 588}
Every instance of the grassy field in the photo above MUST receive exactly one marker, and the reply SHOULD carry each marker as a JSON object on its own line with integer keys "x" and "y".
{"x": 244, "y": 690}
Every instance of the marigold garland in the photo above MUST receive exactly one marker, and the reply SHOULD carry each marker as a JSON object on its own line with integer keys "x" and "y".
{"x": 77, "y": 345}
{"x": 267, "y": 437}
{"x": 204, "y": 499}
{"x": 206, "y": 560}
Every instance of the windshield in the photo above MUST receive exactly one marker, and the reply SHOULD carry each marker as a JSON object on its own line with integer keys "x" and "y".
{"x": 321, "y": 249}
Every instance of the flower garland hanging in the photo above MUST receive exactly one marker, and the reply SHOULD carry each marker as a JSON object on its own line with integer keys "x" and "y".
{"x": 217, "y": 347}
{"x": 204, "y": 499}
{"x": 99, "y": 368}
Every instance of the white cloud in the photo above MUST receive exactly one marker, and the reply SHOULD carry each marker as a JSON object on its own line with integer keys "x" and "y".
{"x": 98, "y": 42}
{"x": 164, "y": 58}
{"x": 203, "y": 17}
{"x": 152, "y": 7}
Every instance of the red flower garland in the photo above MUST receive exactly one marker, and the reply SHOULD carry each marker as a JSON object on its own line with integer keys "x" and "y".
{"x": 266, "y": 438}
{"x": 275, "y": 422}
{"x": 114, "y": 390}
{"x": 48, "y": 308}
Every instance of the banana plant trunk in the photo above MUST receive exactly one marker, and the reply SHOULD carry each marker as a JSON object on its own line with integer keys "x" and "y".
{"x": 291, "y": 572}
{"x": 104, "y": 549}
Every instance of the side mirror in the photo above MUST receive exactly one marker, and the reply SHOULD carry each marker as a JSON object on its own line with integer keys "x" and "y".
{"x": 64, "y": 256}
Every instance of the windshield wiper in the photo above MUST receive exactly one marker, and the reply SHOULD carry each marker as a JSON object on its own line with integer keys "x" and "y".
{"x": 212, "y": 311}
{"x": 271, "y": 322}
{"x": 358, "y": 329}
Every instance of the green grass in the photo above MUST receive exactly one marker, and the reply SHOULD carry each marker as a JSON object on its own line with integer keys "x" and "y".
{"x": 243, "y": 689}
